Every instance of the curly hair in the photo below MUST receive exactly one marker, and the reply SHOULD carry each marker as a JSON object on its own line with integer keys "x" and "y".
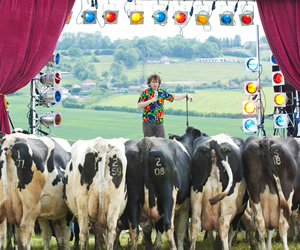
{"x": 154, "y": 77}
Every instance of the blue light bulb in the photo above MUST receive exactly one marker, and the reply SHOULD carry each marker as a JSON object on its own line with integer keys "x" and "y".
{"x": 280, "y": 121}
{"x": 160, "y": 17}
{"x": 250, "y": 125}
{"x": 57, "y": 96}
{"x": 90, "y": 17}
{"x": 252, "y": 64}
{"x": 57, "y": 58}
{"x": 273, "y": 59}
{"x": 226, "y": 19}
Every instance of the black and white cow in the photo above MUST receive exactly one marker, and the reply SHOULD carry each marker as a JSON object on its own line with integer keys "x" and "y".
{"x": 31, "y": 188}
{"x": 271, "y": 164}
{"x": 158, "y": 181}
{"x": 218, "y": 192}
{"x": 95, "y": 187}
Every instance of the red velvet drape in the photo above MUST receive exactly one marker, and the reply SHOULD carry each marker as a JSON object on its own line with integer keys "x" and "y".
{"x": 29, "y": 31}
{"x": 281, "y": 23}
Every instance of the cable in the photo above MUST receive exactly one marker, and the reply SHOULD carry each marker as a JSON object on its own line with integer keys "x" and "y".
{"x": 81, "y": 8}
{"x": 191, "y": 14}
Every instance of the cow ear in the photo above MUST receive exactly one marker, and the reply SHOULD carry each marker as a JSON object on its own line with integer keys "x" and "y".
{"x": 196, "y": 133}
{"x": 225, "y": 148}
{"x": 2, "y": 140}
{"x": 2, "y": 134}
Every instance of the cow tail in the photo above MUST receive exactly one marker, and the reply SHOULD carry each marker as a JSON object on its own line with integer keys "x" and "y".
{"x": 221, "y": 196}
{"x": 145, "y": 159}
{"x": 282, "y": 201}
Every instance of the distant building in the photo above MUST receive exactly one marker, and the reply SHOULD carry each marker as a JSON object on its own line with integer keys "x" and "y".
{"x": 165, "y": 60}
{"x": 216, "y": 60}
{"x": 64, "y": 92}
{"x": 76, "y": 86}
{"x": 88, "y": 84}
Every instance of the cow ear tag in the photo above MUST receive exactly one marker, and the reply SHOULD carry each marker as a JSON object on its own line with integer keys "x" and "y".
{"x": 174, "y": 139}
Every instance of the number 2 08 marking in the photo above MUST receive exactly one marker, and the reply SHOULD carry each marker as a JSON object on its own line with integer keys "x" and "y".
{"x": 159, "y": 171}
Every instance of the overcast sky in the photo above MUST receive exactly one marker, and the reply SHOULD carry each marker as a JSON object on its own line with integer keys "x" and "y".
{"x": 124, "y": 30}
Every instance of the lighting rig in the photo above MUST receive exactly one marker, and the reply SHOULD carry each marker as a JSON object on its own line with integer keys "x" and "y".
{"x": 181, "y": 15}
{"x": 284, "y": 116}
{"x": 45, "y": 92}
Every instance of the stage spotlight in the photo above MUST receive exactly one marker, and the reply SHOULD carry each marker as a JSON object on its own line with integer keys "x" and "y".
{"x": 69, "y": 18}
{"x": 203, "y": 14}
{"x": 281, "y": 121}
{"x": 249, "y": 108}
{"x": 110, "y": 16}
{"x": 160, "y": 16}
{"x": 202, "y": 19}
{"x": 54, "y": 59}
{"x": 137, "y": 17}
{"x": 52, "y": 119}
{"x": 180, "y": 17}
{"x": 246, "y": 19}
{"x": 249, "y": 125}
{"x": 89, "y": 17}
{"x": 226, "y": 18}
{"x": 50, "y": 97}
{"x": 50, "y": 78}
{"x": 252, "y": 64}
{"x": 247, "y": 15}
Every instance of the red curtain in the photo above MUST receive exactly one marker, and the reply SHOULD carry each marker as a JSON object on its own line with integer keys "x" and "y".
{"x": 29, "y": 31}
{"x": 281, "y": 23}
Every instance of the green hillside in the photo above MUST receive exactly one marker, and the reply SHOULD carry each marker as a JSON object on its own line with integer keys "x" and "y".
{"x": 88, "y": 124}
{"x": 206, "y": 100}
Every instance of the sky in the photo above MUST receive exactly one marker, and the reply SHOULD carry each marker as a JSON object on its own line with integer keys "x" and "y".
{"x": 123, "y": 29}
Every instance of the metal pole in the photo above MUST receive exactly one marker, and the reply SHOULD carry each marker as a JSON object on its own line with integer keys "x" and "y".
{"x": 258, "y": 82}
{"x": 33, "y": 110}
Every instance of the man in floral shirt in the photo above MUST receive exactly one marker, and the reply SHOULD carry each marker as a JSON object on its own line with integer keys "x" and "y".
{"x": 152, "y": 101}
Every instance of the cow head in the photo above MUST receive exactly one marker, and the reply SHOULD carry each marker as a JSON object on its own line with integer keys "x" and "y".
{"x": 190, "y": 131}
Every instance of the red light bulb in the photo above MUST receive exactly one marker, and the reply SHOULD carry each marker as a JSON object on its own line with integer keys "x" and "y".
{"x": 246, "y": 19}
{"x": 180, "y": 17}
{"x": 111, "y": 17}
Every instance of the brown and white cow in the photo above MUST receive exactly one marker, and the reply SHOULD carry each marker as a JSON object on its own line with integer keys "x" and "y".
{"x": 31, "y": 188}
{"x": 95, "y": 187}
{"x": 218, "y": 192}
{"x": 270, "y": 165}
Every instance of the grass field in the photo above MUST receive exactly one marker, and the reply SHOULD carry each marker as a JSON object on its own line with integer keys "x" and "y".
{"x": 185, "y": 71}
{"x": 88, "y": 124}
{"x": 239, "y": 243}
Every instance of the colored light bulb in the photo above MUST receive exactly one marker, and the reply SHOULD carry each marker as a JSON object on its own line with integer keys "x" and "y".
{"x": 160, "y": 17}
{"x": 250, "y": 125}
{"x": 226, "y": 19}
{"x": 57, "y": 119}
{"x": 278, "y": 78}
{"x": 202, "y": 19}
{"x": 281, "y": 121}
{"x": 246, "y": 19}
{"x": 180, "y": 17}
{"x": 137, "y": 17}
{"x": 111, "y": 17}
{"x": 279, "y": 99}
{"x": 251, "y": 87}
{"x": 90, "y": 17}
{"x": 249, "y": 107}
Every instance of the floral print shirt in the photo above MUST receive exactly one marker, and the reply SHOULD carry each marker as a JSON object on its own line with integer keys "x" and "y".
{"x": 155, "y": 111}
